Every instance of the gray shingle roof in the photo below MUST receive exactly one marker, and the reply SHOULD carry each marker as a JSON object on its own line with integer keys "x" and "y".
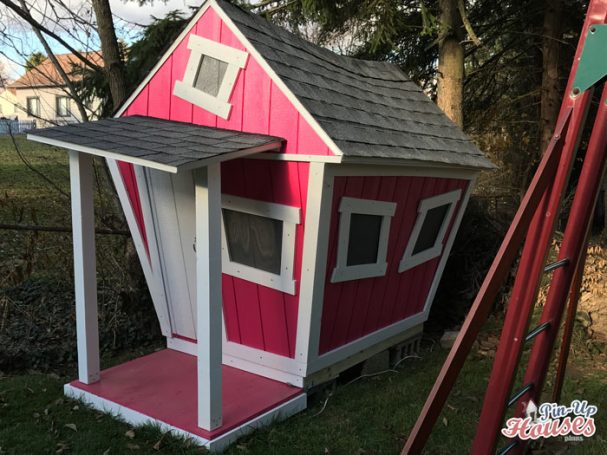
{"x": 154, "y": 142}
{"x": 369, "y": 109}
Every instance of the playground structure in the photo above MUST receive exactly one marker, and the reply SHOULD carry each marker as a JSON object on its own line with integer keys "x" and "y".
{"x": 533, "y": 228}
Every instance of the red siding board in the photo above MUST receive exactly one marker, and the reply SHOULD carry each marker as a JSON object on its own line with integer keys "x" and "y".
{"x": 283, "y": 183}
{"x": 356, "y": 308}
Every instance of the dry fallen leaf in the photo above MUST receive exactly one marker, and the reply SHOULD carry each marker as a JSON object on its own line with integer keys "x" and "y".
{"x": 132, "y": 446}
{"x": 71, "y": 426}
{"x": 445, "y": 421}
{"x": 130, "y": 434}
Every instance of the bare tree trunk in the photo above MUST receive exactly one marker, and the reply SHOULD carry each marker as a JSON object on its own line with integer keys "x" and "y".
{"x": 551, "y": 90}
{"x": 451, "y": 62}
{"x": 113, "y": 65}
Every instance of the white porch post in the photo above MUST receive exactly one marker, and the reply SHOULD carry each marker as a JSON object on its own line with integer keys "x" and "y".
{"x": 208, "y": 295}
{"x": 85, "y": 268}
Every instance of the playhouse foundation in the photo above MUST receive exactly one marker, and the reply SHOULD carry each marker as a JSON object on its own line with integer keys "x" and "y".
{"x": 160, "y": 389}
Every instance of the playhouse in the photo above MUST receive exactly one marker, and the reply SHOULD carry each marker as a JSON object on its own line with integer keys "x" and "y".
{"x": 292, "y": 209}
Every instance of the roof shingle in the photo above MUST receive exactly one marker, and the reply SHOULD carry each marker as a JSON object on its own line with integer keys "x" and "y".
{"x": 369, "y": 109}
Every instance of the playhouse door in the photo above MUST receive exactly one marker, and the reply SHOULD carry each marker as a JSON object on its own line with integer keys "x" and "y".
{"x": 173, "y": 210}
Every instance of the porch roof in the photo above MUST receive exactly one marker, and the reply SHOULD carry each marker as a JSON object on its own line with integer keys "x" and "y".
{"x": 156, "y": 143}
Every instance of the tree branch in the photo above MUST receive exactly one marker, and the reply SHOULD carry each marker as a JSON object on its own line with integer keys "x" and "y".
{"x": 467, "y": 25}
{"x": 24, "y": 14}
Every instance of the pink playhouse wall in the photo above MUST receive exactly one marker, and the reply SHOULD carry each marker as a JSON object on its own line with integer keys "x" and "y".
{"x": 353, "y": 309}
{"x": 256, "y": 316}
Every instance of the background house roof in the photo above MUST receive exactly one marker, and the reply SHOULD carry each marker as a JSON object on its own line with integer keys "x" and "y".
{"x": 45, "y": 74}
{"x": 368, "y": 108}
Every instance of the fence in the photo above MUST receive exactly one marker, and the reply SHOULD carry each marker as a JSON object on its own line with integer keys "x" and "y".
{"x": 8, "y": 126}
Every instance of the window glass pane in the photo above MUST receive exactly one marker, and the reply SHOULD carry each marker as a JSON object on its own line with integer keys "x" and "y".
{"x": 253, "y": 240}
{"x": 363, "y": 243}
{"x": 33, "y": 107}
{"x": 431, "y": 228}
{"x": 210, "y": 74}
{"x": 63, "y": 106}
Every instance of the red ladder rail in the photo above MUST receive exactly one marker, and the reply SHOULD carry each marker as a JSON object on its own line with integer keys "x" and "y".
{"x": 574, "y": 241}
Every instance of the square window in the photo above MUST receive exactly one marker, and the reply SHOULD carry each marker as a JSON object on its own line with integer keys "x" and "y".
{"x": 258, "y": 241}
{"x": 253, "y": 240}
{"x": 428, "y": 234}
{"x": 362, "y": 244}
{"x": 33, "y": 106}
{"x": 210, "y": 75}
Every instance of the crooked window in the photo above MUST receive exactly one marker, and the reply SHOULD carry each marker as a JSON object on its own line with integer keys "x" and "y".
{"x": 427, "y": 238}
{"x": 258, "y": 241}
{"x": 210, "y": 75}
{"x": 364, "y": 229}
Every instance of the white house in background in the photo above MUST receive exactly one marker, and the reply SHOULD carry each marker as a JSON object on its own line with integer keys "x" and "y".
{"x": 41, "y": 95}
{"x": 8, "y": 103}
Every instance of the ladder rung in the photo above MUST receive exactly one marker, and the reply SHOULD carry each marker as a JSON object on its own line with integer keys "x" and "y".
{"x": 539, "y": 329}
{"x": 508, "y": 448}
{"x": 519, "y": 394}
{"x": 555, "y": 265}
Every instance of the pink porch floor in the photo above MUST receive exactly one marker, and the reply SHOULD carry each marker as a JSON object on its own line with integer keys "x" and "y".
{"x": 162, "y": 385}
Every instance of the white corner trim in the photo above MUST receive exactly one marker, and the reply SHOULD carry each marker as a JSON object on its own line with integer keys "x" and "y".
{"x": 186, "y": 88}
{"x": 348, "y": 206}
{"x": 410, "y": 260}
{"x": 152, "y": 273}
{"x": 215, "y": 445}
{"x": 313, "y": 265}
{"x": 290, "y": 217}
{"x": 276, "y": 79}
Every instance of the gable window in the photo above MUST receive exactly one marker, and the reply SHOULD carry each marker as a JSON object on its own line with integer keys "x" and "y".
{"x": 33, "y": 106}
{"x": 210, "y": 75}
{"x": 258, "y": 241}
{"x": 427, "y": 238}
{"x": 362, "y": 245}
{"x": 62, "y": 106}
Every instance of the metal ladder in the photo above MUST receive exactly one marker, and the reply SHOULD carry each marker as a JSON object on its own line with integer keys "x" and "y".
{"x": 534, "y": 225}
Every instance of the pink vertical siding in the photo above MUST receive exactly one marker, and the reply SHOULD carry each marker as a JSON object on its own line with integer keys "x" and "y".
{"x": 255, "y": 316}
{"x": 258, "y": 316}
{"x": 356, "y": 308}
{"x": 258, "y": 105}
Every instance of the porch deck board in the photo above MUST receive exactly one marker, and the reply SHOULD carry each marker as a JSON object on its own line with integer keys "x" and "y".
{"x": 162, "y": 386}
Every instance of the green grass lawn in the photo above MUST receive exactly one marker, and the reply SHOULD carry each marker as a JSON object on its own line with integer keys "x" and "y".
{"x": 371, "y": 415}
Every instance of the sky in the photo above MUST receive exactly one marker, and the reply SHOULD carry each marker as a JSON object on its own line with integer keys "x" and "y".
{"x": 128, "y": 11}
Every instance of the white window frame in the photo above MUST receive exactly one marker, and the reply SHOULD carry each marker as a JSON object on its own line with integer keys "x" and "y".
{"x": 185, "y": 88}
{"x": 410, "y": 260}
{"x": 290, "y": 217}
{"x": 348, "y": 206}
